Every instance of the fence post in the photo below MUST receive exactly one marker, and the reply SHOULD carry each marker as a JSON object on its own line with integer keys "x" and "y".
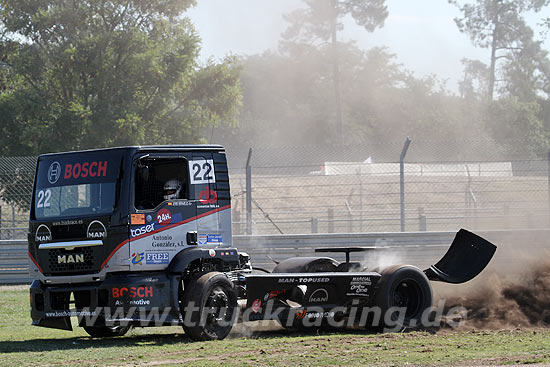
{"x": 314, "y": 225}
{"x": 548, "y": 173}
{"x": 330, "y": 215}
{"x": 237, "y": 221}
{"x": 249, "y": 194}
{"x": 402, "y": 180}
{"x": 422, "y": 223}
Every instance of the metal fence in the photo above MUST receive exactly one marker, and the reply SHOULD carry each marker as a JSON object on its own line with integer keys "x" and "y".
{"x": 440, "y": 186}
{"x": 350, "y": 191}
{"x": 515, "y": 250}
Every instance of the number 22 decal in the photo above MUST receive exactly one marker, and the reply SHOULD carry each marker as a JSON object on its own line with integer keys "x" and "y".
{"x": 202, "y": 171}
{"x": 44, "y": 198}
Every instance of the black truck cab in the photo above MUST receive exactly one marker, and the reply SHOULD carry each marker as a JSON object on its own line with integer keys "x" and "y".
{"x": 106, "y": 230}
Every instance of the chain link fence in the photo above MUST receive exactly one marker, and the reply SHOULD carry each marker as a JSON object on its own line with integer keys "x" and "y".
{"x": 16, "y": 180}
{"x": 479, "y": 185}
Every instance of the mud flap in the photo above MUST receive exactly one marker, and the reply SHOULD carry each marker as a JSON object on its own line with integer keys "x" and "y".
{"x": 468, "y": 255}
{"x": 63, "y": 323}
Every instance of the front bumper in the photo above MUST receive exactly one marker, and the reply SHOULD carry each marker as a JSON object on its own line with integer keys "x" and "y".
{"x": 148, "y": 299}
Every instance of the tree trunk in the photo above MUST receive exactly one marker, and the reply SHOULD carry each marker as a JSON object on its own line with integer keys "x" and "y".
{"x": 336, "y": 73}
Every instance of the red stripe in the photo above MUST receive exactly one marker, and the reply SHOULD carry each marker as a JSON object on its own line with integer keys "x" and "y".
{"x": 163, "y": 229}
{"x": 35, "y": 263}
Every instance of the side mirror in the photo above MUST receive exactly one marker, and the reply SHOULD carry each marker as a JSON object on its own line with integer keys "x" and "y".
{"x": 192, "y": 238}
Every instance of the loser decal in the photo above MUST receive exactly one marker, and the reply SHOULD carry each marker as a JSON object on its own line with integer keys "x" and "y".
{"x": 202, "y": 171}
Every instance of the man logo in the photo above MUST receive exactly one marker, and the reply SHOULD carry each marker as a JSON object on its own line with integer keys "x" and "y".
{"x": 320, "y": 295}
{"x": 54, "y": 172}
{"x": 96, "y": 229}
{"x": 43, "y": 234}
{"x": 70, "y": 259}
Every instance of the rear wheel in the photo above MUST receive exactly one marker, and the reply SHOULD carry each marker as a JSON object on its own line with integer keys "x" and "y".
{"x": 209, "y": 307}
{"x": 403, "y": 296}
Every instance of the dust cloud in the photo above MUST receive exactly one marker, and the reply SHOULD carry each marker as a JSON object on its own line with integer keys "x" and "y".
{"x": 495, "y": 301}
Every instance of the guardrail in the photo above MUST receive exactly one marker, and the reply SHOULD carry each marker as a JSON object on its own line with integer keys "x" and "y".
{"x": 417, "y": 248}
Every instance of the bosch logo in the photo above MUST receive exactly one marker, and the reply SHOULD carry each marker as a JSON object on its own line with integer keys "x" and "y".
{"x": 54, "y": 172}
{"x": 132, "y": 292}
{"x": 92, "y": 169}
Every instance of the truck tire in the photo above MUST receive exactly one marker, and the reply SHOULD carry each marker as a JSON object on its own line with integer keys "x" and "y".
{"x": 212, "y": 296}
{"x": 402, "y": 286}
{"x": 100, "y": 330}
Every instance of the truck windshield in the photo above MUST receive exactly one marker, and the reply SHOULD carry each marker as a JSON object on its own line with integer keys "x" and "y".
{"x": 76, "y": 184}
{"x": 75, "y": 200}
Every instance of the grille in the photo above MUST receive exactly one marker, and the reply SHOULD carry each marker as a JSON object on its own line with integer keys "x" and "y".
{"x": 73, "y": 267}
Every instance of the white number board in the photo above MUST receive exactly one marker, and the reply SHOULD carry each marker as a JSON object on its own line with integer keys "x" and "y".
{"x": 202, "y": 171}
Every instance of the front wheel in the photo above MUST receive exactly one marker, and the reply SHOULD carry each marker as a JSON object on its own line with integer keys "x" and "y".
{"x": 209, "y": 307}
{"x": 404, "y": 294}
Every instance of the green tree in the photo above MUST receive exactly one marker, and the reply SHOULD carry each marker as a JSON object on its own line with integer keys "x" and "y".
{"x": 96, "y": 73}
{"x": 320, "y": 22}
{"x": 498, "y": 25}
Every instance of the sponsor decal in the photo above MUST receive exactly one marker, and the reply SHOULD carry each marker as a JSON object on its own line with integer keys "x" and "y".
{"x": 149, "y": 218}
{"x": 69, "y": 222}
{"x": 317, "y": 315}
{"x": 318, "y": 296}
{"x": 83, "y": 170}
{"x": 212, "y": 253}
{"x": 208, "y": 196}
{"x": 210, "y": 239}
{"x": 304, "y": 280}
{"x": 132, "y": 292}
{"x": 43, "y": 234}
{"x": 70, "y": 259}
{"x": 54, "y": 172}
{"x": 359, "y": 286}
{"x": 157, "y": 257}
{"x": 137, "y": 258}
{"x": 203, "y": 239}
{"x": 361, "y": 280}
{"x": 216, "y": 239}
{"x": 358, "y": 290}
{"x": 142, "y": 230}
{"x": 96, "y": 229}
{"x": 256, "y": 305}
{"x": 182, "y": 203}
{"x": 274, "y": 294}
{"x": 161, "y": 240}
{"x": 164, "y": 217}
{"x": 70, "y": 313}
{"x": 300, "y": 314}
{"x": 137, "y": 219}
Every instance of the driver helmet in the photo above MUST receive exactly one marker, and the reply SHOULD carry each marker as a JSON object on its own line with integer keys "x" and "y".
{"x": 172, "y": 189}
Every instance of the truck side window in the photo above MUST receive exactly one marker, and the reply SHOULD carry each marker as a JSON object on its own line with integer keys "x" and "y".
{"x": 159, "y": 179}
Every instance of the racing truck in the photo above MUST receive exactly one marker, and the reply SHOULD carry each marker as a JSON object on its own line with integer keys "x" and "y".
{"x": 141, "y": 236}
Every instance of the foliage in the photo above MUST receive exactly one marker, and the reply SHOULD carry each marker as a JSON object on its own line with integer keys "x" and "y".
{"x": 97, "y": 73}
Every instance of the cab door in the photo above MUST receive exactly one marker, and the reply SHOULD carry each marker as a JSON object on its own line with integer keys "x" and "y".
{"x": 160, "y": 220}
